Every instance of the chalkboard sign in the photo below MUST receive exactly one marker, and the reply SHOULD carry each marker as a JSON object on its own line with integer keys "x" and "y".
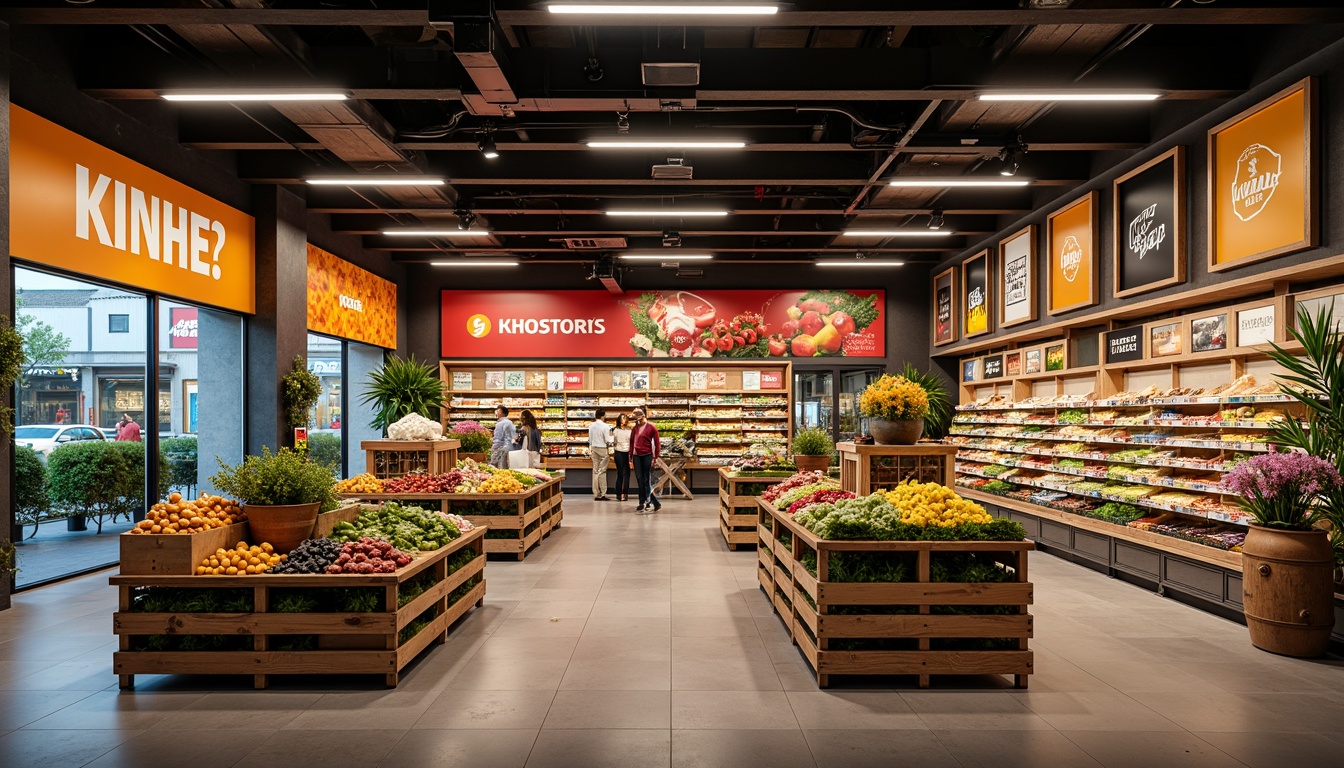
{"x": 994, "y": 367}
{"x": 1150, "y": 225}
{"x": 1124, "y": 345}
{"x": 945, "y": 307}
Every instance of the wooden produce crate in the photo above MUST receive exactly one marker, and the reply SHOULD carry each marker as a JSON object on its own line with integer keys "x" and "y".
{"x": 866, "y": 469}
{"x": 393, "y": 458}
{"x": 517, "y": 521}
{"x": 737, "y": 506}
{"x": 915, "y": 626}
{"x": 261, "y": 641}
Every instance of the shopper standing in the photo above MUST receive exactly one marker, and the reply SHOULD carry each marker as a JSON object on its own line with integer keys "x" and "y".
{"x": 599, "y": 450}
{"x": 503, "y": 439}
{"x": 529, "y": 439}
{"x": 128, "y": 430}
{"x": 645, "y": 446}
{"x": 621, "y": 453}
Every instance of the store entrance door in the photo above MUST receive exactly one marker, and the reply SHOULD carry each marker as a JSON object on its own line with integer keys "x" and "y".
{"x": 819, "y": 402}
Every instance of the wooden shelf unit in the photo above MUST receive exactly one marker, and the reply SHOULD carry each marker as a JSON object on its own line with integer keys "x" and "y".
{"x": 804, "y": 602}
{"x": 865, "y": 469}
{"x": 387, "y": 459}
{"x": 737, "y": 506}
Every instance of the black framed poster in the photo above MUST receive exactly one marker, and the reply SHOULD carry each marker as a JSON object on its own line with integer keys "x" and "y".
{"x": 1149, "y": 204}
{"x": 975, "y": 294}
{"x": 993, "y": 366}
{"x": 945, "y": 307}
{"x": 1124, "y": 345}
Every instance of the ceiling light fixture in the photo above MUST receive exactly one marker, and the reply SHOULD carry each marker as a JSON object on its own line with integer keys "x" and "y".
{"x": 490, "y": 263}
{"x": 253, "y": 95}
{"x": 667, "y": 213}
{"x": 673, "y": 256}
{"x": 860, "y": 263}
{"x": 894, "y": 232}
{"x": 466, "y": 220}
{"x": 665, "y": 9}
{"x": 436, "y": 232}
{"x": 944, "y": 183}
{"x": 1071, "y": 96}
{"x": 936, "y": 221}
{"x": 486, "y": 144}
{"x": 376, "y": 181}
{"x": 664, "y": 144}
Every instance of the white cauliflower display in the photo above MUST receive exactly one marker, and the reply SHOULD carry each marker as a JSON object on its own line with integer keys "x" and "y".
{"x": 415, "y": 427}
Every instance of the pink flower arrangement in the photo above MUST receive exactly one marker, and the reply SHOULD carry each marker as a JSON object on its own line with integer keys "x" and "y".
{"x": 1280, "y": 490}
{"x": 463, "y": 427}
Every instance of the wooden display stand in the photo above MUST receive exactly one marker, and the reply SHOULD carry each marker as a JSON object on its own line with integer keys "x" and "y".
{"x": 805, "y": 603}
{"x": 394, "y": 458}
{"x": 368, "y": 643}
{"x": 865, "y": 469}
{"x": 527, "y": 517}
{"x": 737, "y": 506}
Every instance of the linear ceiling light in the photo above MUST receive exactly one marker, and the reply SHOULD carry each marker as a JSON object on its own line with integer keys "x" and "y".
{"x": 671, "y": 256}
{"x": 667, "y": 213}
{"x": 437, "y": 232}
{"x": 490, "y": 263}
{"x": 867, "y": 263}
{"x": 943, "y": 183}
{"x": 663, "y": 144}
{"x": 1075, "y": 96}
{"x": 895, "y": 232}
{"x": 254, "y": 95}
{"x": 376, "y": 181}
{"x": 666, "y": 9}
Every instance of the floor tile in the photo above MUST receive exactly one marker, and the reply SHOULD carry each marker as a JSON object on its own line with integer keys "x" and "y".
{"x": 612, "y": 675}
{"x": 1094, "y": 711}
{"x": 878, "y": 749}
{"x": 495, "y": 749}
{"x": 976, "y": 711}
{"x": 607, "y": 748}
{"x": 1274, "y": 750}
{"x": 1136, "y": 749}
{"x": 348, "y": 747}
{"x": 617, "y": 648}
{"x": 59, "y": 748}
{"x": 494, "y": 710}
{"x": 1015, "y": 749}
{"x": 112, "y": 710}
{"x": 158, "y": 749}
{"x": 740, "y": 749}
{"x": 852, "y": 710}
{"x": 732, "y": 710}
{"x": 752, "y": 674}
{"x": 510, "y": 674}
{"x": 548, "y": 609}
{"x": 247, "y": 711}
{"x": 610, "y": 709}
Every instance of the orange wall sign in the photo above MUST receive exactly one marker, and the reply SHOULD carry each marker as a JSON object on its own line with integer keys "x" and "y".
{"x": 79, "y": 206}
{"x": 1073, "y": 256}
{"x": 1262, "y": 184}
{"x": 349, "y": 302}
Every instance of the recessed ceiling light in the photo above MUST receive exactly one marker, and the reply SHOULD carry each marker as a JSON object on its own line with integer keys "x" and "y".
{"x": 942, "y": 183}
{"x": 376, "y": 181}
{"x": 254, "y": 95}
{"x": 1067, "y": 96}
{"x": 895, "y": 232}
{"x": 490, "y": 263}
{"x": 866, "y": 263}
{"x": 665, "y": 9}
{"x": 437, "y": 232}
{"x": 664, "y": 144}
{"x": 669, "y": 256}
{"x": 667, "y": 213}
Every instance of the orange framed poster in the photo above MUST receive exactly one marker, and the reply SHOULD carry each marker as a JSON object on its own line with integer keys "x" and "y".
{"x": 1263, "y": 180}
{"x": 349, "y": 302}
{"x": 81, "y": 207}
{"x": 1071, "y": 277}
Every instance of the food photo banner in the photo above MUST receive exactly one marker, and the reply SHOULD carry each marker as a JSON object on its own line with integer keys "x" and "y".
{"x": 705, "y": 324}
{"x": 349, "y": 302}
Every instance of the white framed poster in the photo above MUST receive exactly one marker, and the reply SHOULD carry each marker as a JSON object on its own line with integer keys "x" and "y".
{"x": 1017, "y": 278}
{"x": 1255, "y": 326}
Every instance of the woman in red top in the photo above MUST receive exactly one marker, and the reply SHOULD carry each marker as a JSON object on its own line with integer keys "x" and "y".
{"x": 644, "y": 448}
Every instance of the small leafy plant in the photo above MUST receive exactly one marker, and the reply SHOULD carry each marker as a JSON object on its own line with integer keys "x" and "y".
{"x": 299, "y": 391}
{"x": 401, "y": 387}
{"x": 287, "y": 477}
{"x": 813, "y": 441}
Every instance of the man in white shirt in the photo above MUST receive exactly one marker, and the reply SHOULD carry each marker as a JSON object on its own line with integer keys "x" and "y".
{"x": 502, "y": 442}
{"x": 599, "y": 449}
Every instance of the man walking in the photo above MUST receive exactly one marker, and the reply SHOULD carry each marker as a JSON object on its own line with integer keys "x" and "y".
{"x": 645, "y": 447}
{"x": 128, "y": 430}
{"x": 599, "y": 449}
{"x": 503, "y": 438}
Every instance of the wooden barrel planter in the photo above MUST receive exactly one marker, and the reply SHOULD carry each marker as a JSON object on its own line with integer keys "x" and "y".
{"x": 1288, "y": 590}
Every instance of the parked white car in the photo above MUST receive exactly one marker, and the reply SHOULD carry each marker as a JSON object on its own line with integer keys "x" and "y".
{"x": 45, "y": 438}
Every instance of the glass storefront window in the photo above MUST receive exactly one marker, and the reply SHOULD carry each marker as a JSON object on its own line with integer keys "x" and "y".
{"x": 326, "y": 422}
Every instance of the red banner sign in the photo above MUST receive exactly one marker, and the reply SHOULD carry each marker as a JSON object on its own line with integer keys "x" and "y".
{"x": 772, "y": 380}
{"x": 182, "y": 327}
{"x": 707, "y": 324}
{"x": 573, "y": 379}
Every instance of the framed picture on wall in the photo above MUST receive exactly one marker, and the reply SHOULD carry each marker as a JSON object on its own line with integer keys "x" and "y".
{"x": 975, "y": 299}
{"x": 1071, "y": 276}
{"x": 1208, "y": 334}
{"x": 1012, "y": 364}
{"x": 1031, "y": 361}
{"x": 945, "y": 307}
{"x": 1149, "y": 222}
{"x": 1165, "y": 340}
{"x": 969, "y": 369}
{"x": 1056, "y": 357}
{"x": 1263, "y": 180}
{"x": 1017, "y": 278}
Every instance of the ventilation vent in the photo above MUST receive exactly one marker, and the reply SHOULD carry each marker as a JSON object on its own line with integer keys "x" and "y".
{"x": 593, "y": 243}
{"x": 682, "y": 74}
{"x": 676, "y": 168}
{"x": 690, "y": 273}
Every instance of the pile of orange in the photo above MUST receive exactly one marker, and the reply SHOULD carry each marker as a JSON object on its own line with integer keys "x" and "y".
{"x": 179, "y": 516}
{"x": 240, "y": 561}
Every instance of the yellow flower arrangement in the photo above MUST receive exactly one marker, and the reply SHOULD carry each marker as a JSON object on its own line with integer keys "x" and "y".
{"x": 933, "y": 504}
{"x": 895, "y": 398}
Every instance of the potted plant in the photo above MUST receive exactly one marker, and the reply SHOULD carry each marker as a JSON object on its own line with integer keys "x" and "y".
{"x": 939, "y": 418}
{"x": 895, "y": 407}
{"x": 299, "y": 392}
{"x": 1287, "y": 563}
{"x": 281, "y": 494}
{"x": 401, "y": 387}
{"x": 475, "y": 439}
{"x": 812, "y": 449}
{"x": 31, "y": 501}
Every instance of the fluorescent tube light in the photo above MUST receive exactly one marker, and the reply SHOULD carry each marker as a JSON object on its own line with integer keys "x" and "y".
{"x": 376, "y": 181}
{"x": 895, "y": 232}
{"x": 860, "y": 263}
{"x": 490, "y": 263}
{"x": 664, "y": 9}
{"x": 942, "y": 183}
{"x": 254, "y": 95}
{"x": 437, "y": 232}
{"x": 667, "y": 256}
{"x": 667, "y": 213}
{"x": 664, "y": 144}
{"x": 1067, "y": 96}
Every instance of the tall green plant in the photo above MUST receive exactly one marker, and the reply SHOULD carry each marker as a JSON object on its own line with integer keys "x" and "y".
{"x": 11, "y": 365}
{"x": 939, "y": 420}
{"x": 299, "y": 391}
{"x": 401, "y": 387}
{"x": 1315, "y": 378}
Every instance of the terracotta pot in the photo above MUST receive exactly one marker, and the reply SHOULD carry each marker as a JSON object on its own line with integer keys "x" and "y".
{"x": 811, "y": 463}
{"x": 283, "y": 526}
{"x": 903, "y": 432}
{"x": 1288, "y": 590}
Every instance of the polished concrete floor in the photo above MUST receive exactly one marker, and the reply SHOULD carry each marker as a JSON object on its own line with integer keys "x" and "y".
{"x": 631, "y": 641}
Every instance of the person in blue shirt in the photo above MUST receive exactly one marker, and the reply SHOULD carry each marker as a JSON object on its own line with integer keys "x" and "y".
{"x": 503, "y": 439}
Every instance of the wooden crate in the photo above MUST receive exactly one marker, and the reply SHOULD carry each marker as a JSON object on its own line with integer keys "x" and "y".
{"x": 737, "y": 507}
{"x": 347, "y": 643}
{"x": 393, "y": 458}
{"x": 528, "y": 517}
{"x": 820, "y": 627}
{"x": 865, "y": 469}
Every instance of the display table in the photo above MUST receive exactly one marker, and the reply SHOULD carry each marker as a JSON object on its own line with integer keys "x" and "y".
{"x": 865, "y": 469}
{"x": 393, "y": 458}
{"x": 911, "y": 627}
{"x": 250, "y": 634}
{"x": 737, "y": 505}
{"x": 672, "y": 467}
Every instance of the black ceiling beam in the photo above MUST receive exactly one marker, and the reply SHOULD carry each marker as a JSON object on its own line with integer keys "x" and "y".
{"x": 595, "y": 224}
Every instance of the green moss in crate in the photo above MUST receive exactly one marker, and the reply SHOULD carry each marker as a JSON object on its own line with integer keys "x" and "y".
{"x": 973, "y": 644}
{"x": 502, "y": 533}
{"x": 294, "y": 601}
{"x": 967, "y": 568}
{"x": 409, "y": 590}
{"x": 190, "y": 643}
{"x": 178, "y": 600}
{"x": 785, "y": 539}
{"x": 292, "y": 643}
{"x": 872, "y": 610}
{"x": 750, "y": 489}
{"x": 483, "y": 508}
